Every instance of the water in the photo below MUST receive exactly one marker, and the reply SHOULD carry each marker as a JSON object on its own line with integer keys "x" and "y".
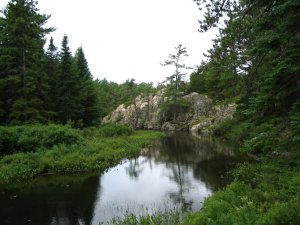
{"x": 177, "y": 173}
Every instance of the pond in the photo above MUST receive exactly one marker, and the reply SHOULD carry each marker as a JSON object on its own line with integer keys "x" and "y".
{"x": 176, "y": 173}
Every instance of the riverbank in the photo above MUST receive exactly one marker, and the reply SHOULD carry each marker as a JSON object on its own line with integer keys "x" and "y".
{"x": 265, "y": 192}
{"x": 33, "y": 150}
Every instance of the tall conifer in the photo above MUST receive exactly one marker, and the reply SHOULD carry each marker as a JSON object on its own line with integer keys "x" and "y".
{"x": 69, "y": 105}
{"x": 88, "y": 97}
{"x": 22, "y": 78}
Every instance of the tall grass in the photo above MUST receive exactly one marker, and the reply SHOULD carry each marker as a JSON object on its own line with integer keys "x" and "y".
{"x": 86, "y": 153}
{"x": 160, "y": 218}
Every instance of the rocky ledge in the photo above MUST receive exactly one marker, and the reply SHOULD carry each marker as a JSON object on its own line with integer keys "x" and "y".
{"x": 145, "y": 113}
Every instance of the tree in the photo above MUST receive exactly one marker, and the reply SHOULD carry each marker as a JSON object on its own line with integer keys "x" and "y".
{"x": 267, "y": 51}
{"x": 175, "y": 82}
{"x": 22, "y": 82}
{"x": 88, "y": 97}
{"x": 69, "y": 104}
{"x": 175, "y": 60}
{"x": 51, "y": 67}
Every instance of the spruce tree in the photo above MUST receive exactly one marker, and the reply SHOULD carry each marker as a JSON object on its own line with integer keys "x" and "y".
{"x": 88, "y": 97}
{"x": 22, "y": 78}
{"x": 51, "y": 68}
{"x": 68, "y": 102}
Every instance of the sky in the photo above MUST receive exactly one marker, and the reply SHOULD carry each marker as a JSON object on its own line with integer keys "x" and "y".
{"x": 128, "y": 39}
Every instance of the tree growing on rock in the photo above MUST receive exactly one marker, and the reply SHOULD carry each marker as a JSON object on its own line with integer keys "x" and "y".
{"x": 175, "y": 84}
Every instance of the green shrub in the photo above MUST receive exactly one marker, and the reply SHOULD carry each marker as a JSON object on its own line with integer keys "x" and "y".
{"x": 262, "y": 143}
{"x": 262, "y": 193}
{"x": 233, "y": 130}
{"x": 32, "y": 137}
{"x": 114, "y": 130}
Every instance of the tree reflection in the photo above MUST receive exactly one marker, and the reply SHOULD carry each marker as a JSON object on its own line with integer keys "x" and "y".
{"x": 208, "y": 159}
{"x": 179, "y": 174}
{"x": 60, "y": 200}
{"x": 135, "y": 168}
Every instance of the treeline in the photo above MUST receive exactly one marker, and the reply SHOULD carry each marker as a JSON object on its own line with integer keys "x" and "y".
{"x": 41, "y": 86}
{"x": 111, "y": 94}
{"x": 255, "y": 62}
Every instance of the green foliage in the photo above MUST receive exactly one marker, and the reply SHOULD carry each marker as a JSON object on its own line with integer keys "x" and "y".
{"x": 113, "y": 130}
{"x": 261, "y": 194}
{"x": 32, "y": 137}
{"x": 60, "y": 149}
{"x": 173, "y": 108}
{"x": 36, "y": 86}
{"x": 89, "y": 113}
{"x": 23, "y": 83}
{"x": 294, "y": 117}
{"x": 111, "y": 95}
{"x": 69, "y": 105}
{"x": 234, "y": 130}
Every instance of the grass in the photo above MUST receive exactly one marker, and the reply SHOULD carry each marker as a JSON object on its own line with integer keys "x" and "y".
{"x": 169, "y": 218}
{"x": 88, "y": 153}
{"x": 262, "y": 193}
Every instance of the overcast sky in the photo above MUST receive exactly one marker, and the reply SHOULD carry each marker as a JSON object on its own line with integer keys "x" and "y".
{"x": 128, "y": 39}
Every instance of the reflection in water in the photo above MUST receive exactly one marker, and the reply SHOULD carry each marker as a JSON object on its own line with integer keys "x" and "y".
{"x": 177, "y": 173}
{"x": 60, "y": 200}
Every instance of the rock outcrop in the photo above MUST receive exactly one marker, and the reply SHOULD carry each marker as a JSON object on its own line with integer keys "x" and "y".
{"x": 145, "y": 113}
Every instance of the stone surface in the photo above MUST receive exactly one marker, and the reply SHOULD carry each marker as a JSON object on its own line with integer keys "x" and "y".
{"x": 144, "y": 113}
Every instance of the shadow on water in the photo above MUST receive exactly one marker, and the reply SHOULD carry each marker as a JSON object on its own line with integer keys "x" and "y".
{"x": 178, "y": 172}
{"x": 51, "y": 200}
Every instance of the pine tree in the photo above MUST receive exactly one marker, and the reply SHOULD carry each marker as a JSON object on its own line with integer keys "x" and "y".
{"x": 175, "y": 82}
{"x": 88, "y": 98}
{"x": 68, "y": 102}
{"x": 51, "y": 68}
{"x": 21, "y": 52}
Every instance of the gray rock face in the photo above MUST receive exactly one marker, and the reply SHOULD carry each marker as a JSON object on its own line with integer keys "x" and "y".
{"x": 145, "y": 113}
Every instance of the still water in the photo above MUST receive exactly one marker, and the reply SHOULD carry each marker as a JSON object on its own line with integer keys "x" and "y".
{"x": 177, "y": 173}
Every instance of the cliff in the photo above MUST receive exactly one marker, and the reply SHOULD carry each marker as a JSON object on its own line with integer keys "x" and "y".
{"x": 145, "y": 113}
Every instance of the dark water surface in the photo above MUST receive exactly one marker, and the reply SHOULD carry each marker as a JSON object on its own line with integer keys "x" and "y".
{"x": 177, "y": 173}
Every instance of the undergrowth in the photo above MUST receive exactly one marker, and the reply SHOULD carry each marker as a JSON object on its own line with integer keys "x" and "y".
{"x": 91, "y": 150}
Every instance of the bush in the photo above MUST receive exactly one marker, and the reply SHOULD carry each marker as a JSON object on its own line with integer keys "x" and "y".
{"x": 32, "y": 137}
{"x": 262, "y": 193}
{"x": 233, "y": 131}
{"x": 114, "y": 130}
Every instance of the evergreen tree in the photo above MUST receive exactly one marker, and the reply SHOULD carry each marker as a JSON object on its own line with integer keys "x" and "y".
{"x": 265, "y": 51}
{"x": 88, "y": 98}
{"x": 68, "y": 102}
{"x": 52, "y": 70}
{"x": 175, "y": 82}
{"x": 22, "y": 80}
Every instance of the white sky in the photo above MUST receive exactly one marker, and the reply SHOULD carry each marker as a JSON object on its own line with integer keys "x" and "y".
{"x": 128, "y": 39}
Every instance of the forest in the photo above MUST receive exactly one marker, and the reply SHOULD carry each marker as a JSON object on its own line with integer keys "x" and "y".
{"x": 254, "y": 62}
